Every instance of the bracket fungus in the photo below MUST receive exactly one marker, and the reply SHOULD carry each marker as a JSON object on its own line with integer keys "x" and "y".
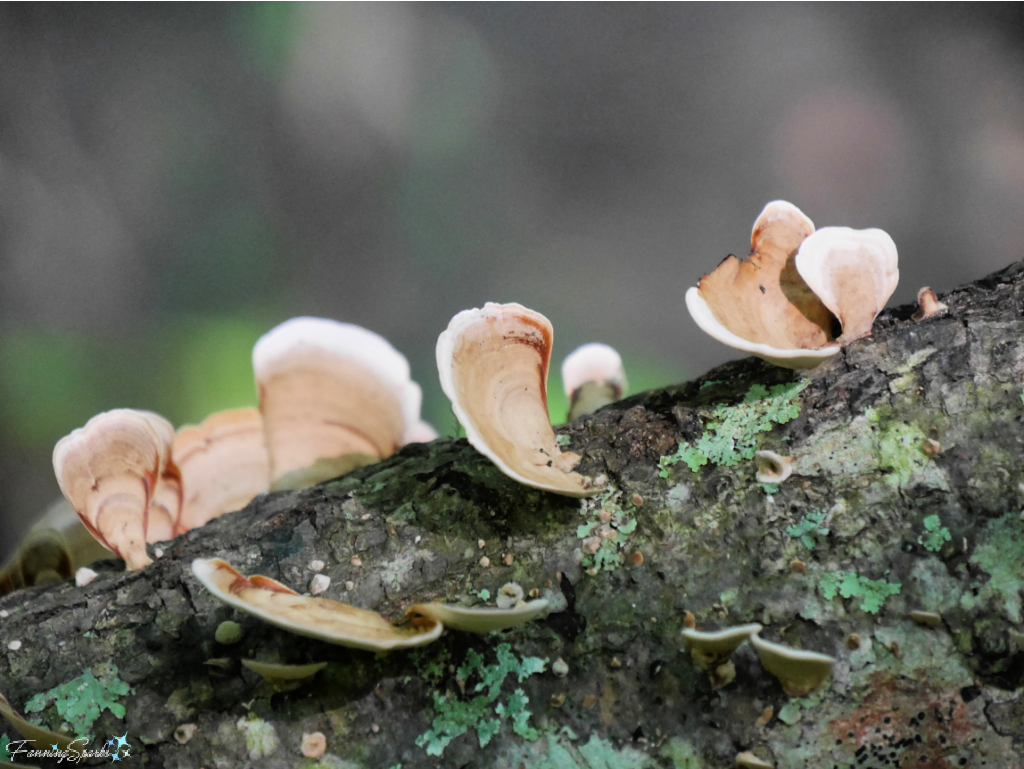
{"x": 223, "y": 463}
{"x": 593, "y": 377}
{"x": 800, "y": 672}
{"x": 284, "y": 678}
{"x": 30, "y": 731}
{"x": 711, "y": 651}
{"x": 330, "y": 389}
{"x": 781, "y": 302}
{"x": 493, "y": 364}
{"x": 772, "y": 467}
{"x": 479, "y": 620}
{"x": 110, "y": 471}
{"x": 928, "y": 304}
{"x": 321, "y": 618}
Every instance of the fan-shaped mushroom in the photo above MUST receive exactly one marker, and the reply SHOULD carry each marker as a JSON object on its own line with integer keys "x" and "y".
{"x": 592, "y": 376}
{"x": 493, "y": 364}
{"x": 223, "y": 464}
{"x": 328, "y": 389}
{"x": 479, "y": 620}
{"x": 110, "y": 470}
{"x": 780, "y": 303}
{"x": 800, "y": 672}
{"x": 322, "y": 618}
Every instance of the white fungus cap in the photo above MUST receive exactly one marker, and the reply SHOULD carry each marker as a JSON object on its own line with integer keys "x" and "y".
{"x": 593, "y": 362}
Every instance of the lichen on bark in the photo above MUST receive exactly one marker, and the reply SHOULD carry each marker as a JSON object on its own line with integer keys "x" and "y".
{"x": 713, "y": 542}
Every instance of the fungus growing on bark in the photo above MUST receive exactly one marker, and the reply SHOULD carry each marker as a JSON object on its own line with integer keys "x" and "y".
{"x": 926, "y": 618}
{"x": 320, "y": 618}
{"x": 313, "y": 745}
{"x": 284, "y": 678}
{"x": 493, "y": 363}
{"x": 510, "y": 595}
{"x": 780, "y": 303}
{"x": 772, "y": 467}
{"x": 479, "y": 620}
{"x": 929, "y": 305}
{"x": 711, "y": 651}
{"x": 328, "y": 390}
{"x": 800, "y": 672}
{"x": 592, "y": 376}
{"x": 110, "y": 471}
{"x": 747, "y": 760}
{"x": 43, "y": 558}
{"x": 223, "y": 464}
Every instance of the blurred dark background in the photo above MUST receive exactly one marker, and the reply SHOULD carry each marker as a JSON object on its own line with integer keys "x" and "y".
{"x": 176, "y": 180}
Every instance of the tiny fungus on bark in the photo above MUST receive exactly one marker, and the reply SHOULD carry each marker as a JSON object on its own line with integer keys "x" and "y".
{"x": 320, "y": 618}
{"x": 493, "y": 363}
{"x": 592, "y": 376}
{"x": 772, "y": 467}
{"x": 284, "y": 678}
{"x": 328, "y": 390}
{"x": 224, "y": 464}
{"x": 926, "y": 618}
{"x": 711, "y": 651}
{"x": 781, "y": 302}
{"x": 314, "y": 744}
{"x": 929, "y": 305}
{"x": 111, "y": 470}
{"x": 800, "y": 672}
{"x": 747, "y": 760}
{"x": 479, "y": 620}
{"x": 510, "y": 595}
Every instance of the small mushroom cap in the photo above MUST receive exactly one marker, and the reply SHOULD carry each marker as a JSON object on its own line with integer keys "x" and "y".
{"x": 421, "y": 432}
{"x": 328, "y": 389}
{"x": 929, "y": 304}
{"x": 479, "y": 620}
{"x": 853, "y": 272}
{"x": 772, "y": 467}
{"x": 747, "y": 760}
{"x": 321, "y": 618}
{"x": 709, "y": 650}
{"x": 110, "y": 470}
{"x": 926, "y": 618}
{"x": 800, "y": 672}
{"x": 762, "y": 305}
{"x": 223, "y": 464}
{"x": 284, "y": 677}
{"x": 593, "y": 362}
{"x": 493, "y": 364}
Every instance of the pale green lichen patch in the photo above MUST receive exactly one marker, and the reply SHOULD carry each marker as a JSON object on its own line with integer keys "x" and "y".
{"x": 873, "y": 442}
{"x": 82, "y": 700}
{"x": 682, "y": 754}
{"x": 810, "y": 529}
{"x": 935, "y": 535}
{"x": 559, "y": 752}
{"x": 485, "y": 712}
{"x": 1000, "y": 553}
{"x": 732, "y": 433}
{"x": 606, "y": 531}
{"x": 849, "y": 584}
{"x": 260, "y": 737}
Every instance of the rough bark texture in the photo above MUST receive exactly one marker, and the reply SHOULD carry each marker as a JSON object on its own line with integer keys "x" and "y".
{"x": 714, "y": 542}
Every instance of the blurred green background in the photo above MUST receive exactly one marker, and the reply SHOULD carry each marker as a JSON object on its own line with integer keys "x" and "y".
{"x": 175, "y": 180}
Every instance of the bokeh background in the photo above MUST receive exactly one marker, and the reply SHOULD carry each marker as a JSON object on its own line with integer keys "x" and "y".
{"x": 176, "y": 180}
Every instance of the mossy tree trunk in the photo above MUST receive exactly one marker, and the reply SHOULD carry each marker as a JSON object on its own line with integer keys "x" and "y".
{"x": 905, "y": 496}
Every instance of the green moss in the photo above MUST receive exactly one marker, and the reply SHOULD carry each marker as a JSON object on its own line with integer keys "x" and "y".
{"x": 849, "y": 584}
{"x": 731, "y": 435}
{"x": 454, "y": 716}
{"x": 935, "y": 534}
{"x": 80, "y": 702}
{"x": 810, "y": 528}
{"x": 1000, "y": 552}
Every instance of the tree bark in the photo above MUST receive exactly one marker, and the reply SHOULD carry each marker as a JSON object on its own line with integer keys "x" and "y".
{"x": 908, "y": 471}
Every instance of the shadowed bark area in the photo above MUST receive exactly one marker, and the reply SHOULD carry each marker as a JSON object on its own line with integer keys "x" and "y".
{"x": 905, "y": 496}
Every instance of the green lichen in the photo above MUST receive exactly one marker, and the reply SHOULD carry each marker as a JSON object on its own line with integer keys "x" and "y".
{"x": 1000, "y": 552}
{"x": 682, "y": 754}
{"x": 935, "y": 534}
{"x": 606, "y": 516}
{"x": 810, "y": 528}
{"x": 731, "y": 435}
{"x": 558, "y": 752}
{"x": 454, "y": 716}
{"x": 849, "y": 584}
{"x": 484, "y": 595}
{"x": 80, "y": 702}
{"x": 260, "y": 737}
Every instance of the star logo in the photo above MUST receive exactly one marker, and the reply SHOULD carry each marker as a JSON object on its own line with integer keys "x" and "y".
{"x": 121, "y": 744}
